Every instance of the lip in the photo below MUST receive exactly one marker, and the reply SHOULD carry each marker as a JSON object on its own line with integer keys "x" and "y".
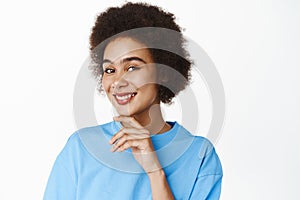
{"x": 124, "y": 97}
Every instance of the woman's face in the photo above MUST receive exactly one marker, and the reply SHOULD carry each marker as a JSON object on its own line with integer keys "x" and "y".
{"x": 129, "y": 76}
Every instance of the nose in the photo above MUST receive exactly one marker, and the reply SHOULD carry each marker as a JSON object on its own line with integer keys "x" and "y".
{"x": 120, "y": 81}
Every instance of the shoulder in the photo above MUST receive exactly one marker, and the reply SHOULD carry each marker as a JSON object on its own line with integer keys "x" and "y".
{"x": 200, "y": 144}
{"x": 204, "y": 146}
{"x": 84, "y": 135}
{"x": 206, "y": 153}
{"x": 77, "y": 139}
{"x": 203, "y": 150}
{"x": 84, "y": 144}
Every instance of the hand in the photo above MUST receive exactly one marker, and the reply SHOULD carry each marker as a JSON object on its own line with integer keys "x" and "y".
{"x": 135, "y": 136}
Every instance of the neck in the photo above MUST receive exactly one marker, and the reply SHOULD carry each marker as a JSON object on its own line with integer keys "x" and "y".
{"x": 152, "y": 120}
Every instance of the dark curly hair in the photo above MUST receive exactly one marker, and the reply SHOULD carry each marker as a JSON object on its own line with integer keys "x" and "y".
{"x": 117, "y": 21}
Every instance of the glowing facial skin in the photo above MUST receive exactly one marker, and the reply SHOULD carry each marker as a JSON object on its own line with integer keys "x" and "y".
{"x": 129, "y": 77}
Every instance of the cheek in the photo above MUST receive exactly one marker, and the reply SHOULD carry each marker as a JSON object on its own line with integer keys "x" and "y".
{"x": 150, "y": 93}
{"x": 106, "y": 84}
{"x": 144, "y": 79}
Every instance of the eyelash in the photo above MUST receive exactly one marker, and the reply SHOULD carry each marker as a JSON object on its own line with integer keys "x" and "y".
{"x": 132, "y": 67}
{"x": 110, "y": 71}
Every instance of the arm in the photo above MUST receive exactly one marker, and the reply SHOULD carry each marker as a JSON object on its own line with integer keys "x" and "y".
{"x": 137, "y": 138}
{"x": 212, "y": 189}
{"x": 159, "y": 185}
{"x": 209, "y": 179}
{"x": 60, "y": 184}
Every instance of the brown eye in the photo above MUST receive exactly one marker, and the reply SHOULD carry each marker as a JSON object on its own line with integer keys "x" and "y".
{"x": 132, "y": 68}
{"x": 109, "y": 71}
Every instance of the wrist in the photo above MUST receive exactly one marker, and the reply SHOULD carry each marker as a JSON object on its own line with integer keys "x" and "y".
{"x": 159, "y": 173}
{"x": 159, "y": 185}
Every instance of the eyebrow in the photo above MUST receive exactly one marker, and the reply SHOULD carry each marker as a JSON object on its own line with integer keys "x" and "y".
{"x": 128, "y": 59}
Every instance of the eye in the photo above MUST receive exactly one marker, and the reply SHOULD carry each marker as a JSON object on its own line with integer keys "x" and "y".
{"x": 109, "y": 71}
{"x": 132, "y": 68}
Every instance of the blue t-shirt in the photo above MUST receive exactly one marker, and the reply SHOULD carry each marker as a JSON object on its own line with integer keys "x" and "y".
{"x": 87, "y": 170}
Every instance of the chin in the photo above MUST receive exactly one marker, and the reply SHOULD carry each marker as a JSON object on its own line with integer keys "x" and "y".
{"x": 124, "y": 111}
{"x": 125, "y": 114}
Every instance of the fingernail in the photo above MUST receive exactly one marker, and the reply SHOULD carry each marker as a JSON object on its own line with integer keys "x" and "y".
{"x": 112, "y": 149}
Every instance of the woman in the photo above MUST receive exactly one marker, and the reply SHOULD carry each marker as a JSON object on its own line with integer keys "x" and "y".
{"x": 138, "y": 155}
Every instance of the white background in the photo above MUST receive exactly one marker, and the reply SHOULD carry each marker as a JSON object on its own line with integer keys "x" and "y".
{"x": 254, "y": 44}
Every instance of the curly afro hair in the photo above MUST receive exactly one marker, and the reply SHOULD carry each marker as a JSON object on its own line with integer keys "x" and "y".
{"x": 118, "y": 21}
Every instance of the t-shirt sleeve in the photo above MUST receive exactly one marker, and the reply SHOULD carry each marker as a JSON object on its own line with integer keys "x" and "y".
{"x": 208, "y": 182}
{"x": 62, "y": 180}
{"x": 60, "y": 184}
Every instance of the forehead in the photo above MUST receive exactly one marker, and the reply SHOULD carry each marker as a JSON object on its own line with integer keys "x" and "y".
{"x": 124, "y": 47}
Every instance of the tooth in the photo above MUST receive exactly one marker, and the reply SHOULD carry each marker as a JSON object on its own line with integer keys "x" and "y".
{"x": 123, "y": 97}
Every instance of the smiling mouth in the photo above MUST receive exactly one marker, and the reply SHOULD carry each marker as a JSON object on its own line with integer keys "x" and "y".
{"x": 124, "y": 98}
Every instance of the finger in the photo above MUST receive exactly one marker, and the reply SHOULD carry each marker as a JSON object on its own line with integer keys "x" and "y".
{"x": 136, "y": 131}
{"x": 120, "y": 142}
{"x": 128, "y": 144}
{"x": 139, "y": 133}
{"x": 126, "y": 138}
{"x": 128, "y": 121}
{"x": 117, "y": 136}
